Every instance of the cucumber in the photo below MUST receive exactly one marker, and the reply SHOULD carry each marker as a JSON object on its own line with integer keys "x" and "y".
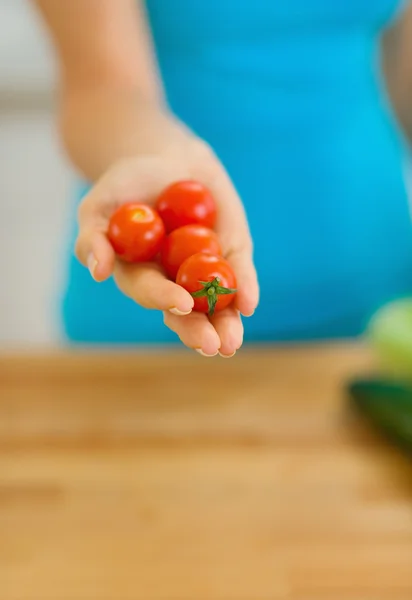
{"x": 388, "y": 406}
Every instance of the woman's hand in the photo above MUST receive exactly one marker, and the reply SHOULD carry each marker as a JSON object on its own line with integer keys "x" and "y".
{"x": 112, "y": 106}
{"x": 141, "y": 179}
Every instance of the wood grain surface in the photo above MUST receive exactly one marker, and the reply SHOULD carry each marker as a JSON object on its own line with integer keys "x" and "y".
{"x": 131, "y": 476}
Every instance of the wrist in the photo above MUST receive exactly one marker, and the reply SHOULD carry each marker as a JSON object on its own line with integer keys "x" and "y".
{"x": 102, "y": 126}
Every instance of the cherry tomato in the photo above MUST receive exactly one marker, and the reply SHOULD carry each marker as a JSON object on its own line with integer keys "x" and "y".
{"x": 183, "y": 243}
{"x": 136, "y": 232}
{"x": 210, "y": 280}
{"x": 186, "y": 203}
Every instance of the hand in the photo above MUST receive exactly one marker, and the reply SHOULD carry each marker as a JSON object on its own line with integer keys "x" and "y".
{"x": 142, "y": 178}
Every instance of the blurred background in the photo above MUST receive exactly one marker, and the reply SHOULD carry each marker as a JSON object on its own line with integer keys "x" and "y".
{"x": 34, "y": 181}
{"x": 122, "y": 477}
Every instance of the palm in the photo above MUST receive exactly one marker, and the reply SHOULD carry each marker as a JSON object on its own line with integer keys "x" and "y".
{"x": 142, "y": 179}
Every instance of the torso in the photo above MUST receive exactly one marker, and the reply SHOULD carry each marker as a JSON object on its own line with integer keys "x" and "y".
{"x": 289, "y": 95}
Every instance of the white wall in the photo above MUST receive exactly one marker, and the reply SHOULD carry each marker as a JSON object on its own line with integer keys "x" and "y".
{"x": 26, "y": 62}
{"x": 34, "y": 183}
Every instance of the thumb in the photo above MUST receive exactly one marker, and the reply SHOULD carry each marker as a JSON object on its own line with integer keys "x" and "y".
{"x": 95, "y": 252}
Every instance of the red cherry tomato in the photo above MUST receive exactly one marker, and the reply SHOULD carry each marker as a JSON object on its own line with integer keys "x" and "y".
{"x": 136, "y": 232}
{"x": 183, "y": 243}
{"x": 211, "y": 281}
{"x": 186, "y": 203}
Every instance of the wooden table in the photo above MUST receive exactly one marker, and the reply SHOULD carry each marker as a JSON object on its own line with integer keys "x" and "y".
{"x": 172, "y": 477}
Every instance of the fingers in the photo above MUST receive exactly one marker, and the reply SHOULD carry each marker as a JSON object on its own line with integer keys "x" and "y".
{"x": 222, "y": 334}
{"x": 229, "y": 328}
{"x": 133, "y": 179}
{"x": 232, "y": 223}
{"x": 93, "y": 249}
{"x": 95, "y": 252}
{"x": 147, "y": 285}
{"x": 236, "y": 242}
{"x": 195, "y": 331}
{"x": 247, "y": 297}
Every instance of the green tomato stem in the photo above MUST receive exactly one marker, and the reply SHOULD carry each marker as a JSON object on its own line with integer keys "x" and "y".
{"x": 212, "y": 290}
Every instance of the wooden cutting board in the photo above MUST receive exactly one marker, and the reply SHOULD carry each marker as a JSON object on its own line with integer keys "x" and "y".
{"x": 126, "y": 476}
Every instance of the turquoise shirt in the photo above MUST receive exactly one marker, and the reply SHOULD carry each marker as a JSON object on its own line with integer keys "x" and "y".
{"x": 289, "y": 94}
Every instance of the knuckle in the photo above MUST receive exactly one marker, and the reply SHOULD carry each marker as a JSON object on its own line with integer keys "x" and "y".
{"x": 78, "y": 249}
{"x": 88, "y": 209}
{"x": 125, "y": 286}
{"x": 142, "y": 295}
{"x": 134, "y": 289}
{"x": 248, "y": 246}
{"x": 171, "y": 323}
{"x": 167, "y": 319}
{"x": 205, "y": 156}
{"x": 82, "y": 211}
{"x": 204, "y": 149}
{"x": 243, "y": 245}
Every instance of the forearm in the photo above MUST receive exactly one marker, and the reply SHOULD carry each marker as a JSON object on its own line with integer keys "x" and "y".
{"x": 397, "y": 55}
{"x": 102, "y": 126}
{"x": 111, "y": 95}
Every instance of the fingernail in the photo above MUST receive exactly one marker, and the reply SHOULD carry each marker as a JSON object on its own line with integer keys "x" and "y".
{"x": 92, "y": 265}
{"x": 227, "y": 355}
{"x": 179, "y": 313}
{"x": 200, "y": 351}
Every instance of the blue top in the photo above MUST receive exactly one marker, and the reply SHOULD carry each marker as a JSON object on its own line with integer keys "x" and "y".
{"x": 289, "y": 95}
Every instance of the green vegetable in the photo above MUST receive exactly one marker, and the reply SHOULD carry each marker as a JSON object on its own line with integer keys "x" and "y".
{"x": 388, "y": 405}
{"x": 390, "y": 334}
